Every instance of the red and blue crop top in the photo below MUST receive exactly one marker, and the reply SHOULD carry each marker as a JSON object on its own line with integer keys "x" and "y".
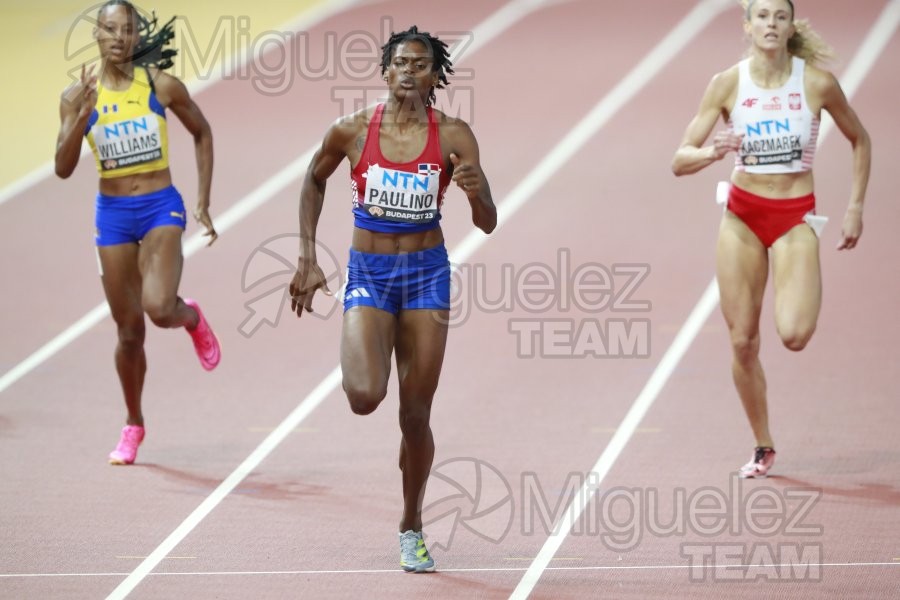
{"x": 391, "y": 197}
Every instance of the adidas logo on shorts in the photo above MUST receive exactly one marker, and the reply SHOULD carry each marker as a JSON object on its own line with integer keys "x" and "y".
{"x": 357, "y": 293}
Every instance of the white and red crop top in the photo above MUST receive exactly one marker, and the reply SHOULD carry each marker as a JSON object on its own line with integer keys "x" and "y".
{"x": 392, "y": 197}
{"x": 780, "y": 132}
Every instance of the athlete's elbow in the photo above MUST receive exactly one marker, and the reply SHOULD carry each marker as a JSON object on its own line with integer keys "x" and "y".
{"x": 678, "y": 168}
{"x": 863, "y": 141}
{"x": 206, "y": 132}
{"x": 203, "y": 136}
{"x": 488, "y": 225}
{"x": 62, "y": 170}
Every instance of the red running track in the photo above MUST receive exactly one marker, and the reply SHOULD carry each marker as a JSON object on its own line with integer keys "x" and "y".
{"x": 316, "y": 518}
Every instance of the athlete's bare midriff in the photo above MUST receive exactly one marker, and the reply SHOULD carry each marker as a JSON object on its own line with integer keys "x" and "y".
{"x": 777, "y": 186}
{"x": 137, "y": 184}
{"x": 374, "y": 242}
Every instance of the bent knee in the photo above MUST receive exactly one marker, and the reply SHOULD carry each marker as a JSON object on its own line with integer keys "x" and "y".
{"x": 363, "y": 400}
{"x": 160, "y": 312}
{"x": 796, "y": 339}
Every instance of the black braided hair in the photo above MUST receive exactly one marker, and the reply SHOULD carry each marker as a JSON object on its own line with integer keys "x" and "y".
{"x": 441, "y": 64}
{"x": 149, "y": 50}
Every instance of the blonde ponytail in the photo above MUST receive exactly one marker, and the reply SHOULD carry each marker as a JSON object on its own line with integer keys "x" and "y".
{"x": 809, "y": 45}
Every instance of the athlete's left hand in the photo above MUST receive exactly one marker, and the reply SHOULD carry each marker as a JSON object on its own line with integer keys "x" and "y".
{"x": 466, "y": 176}
{"x": 201, "y": 214}
{"x": 851, "y": 230}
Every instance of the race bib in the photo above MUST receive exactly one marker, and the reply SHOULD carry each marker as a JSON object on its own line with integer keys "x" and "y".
{"x": 770, "y": 142}
{"x": 402, "y": 196}
{"x": 128, "y": 142}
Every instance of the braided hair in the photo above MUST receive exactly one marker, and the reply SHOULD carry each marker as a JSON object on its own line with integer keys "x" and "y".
{"x": 441, "y": 65}
{"x": 149, "y": 51}
{"x": 805, "y": 43}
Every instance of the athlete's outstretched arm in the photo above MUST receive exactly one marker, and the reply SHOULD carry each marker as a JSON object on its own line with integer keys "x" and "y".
{"x": 835, "y": 102}
{"x": 309, "y": 276}
{"x": 173, "y": 94}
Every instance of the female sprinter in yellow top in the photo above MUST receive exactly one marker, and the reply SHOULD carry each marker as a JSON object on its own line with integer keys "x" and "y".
{"x": 140, "y": 216}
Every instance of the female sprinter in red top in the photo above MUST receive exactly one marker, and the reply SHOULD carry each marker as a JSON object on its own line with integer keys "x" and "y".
{"x": 403, "y": 155}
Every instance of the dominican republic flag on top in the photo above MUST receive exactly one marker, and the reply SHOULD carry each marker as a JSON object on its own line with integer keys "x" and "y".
{"x": 429, "y": 168}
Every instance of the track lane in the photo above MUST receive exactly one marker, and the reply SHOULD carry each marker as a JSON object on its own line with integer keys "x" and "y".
{"x": 380, "y": 430}
{"x": 376, "y": 488}
{"x": 345, "y": 516}
{"x": 700, "y": 398}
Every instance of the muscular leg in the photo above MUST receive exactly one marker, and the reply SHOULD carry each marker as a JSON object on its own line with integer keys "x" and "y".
{"x": 798, "y": 286}
{"x": 122, "y": 285}
{"x": 367, "y": 341}
{"x": 421, "y": 340}
{"x": 741, "y": 270}
{"x": 160, "y": 263}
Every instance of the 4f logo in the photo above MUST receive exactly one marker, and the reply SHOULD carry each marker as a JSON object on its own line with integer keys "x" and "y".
{"x": 750, "y": 102}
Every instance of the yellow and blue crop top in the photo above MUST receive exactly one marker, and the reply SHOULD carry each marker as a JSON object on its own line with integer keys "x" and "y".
{"x": 127, "y": 130}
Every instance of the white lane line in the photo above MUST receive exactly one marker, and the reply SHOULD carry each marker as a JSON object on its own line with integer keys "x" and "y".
{"x": 639, "y": 408}
{"x": 604, "y": 110}
{"x": 865, "y": 58}
{"x": 224, "y": 222}
{"x": 236, "y": 63}
{"x": 526, "y": 189}
{"x": 399, "y": 572}
{"x": 871, "y": 48}
{"x": 492, "y": 26}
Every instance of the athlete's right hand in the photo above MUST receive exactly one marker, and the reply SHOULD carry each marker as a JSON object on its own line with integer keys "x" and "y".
{"x": 726, "y": 141}
{"x": 83, "y": 96}
{"x": 308, "y": 278}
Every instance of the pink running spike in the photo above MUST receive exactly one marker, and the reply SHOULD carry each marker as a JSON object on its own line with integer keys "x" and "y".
{"x": 205, "y": 342}
{"x": 758, "y": 467}
{"x": 126, "y": 451}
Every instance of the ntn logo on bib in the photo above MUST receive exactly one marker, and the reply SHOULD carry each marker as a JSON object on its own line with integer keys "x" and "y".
{"x": 403, "y": 196}
{"x": 128, "y": 142}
